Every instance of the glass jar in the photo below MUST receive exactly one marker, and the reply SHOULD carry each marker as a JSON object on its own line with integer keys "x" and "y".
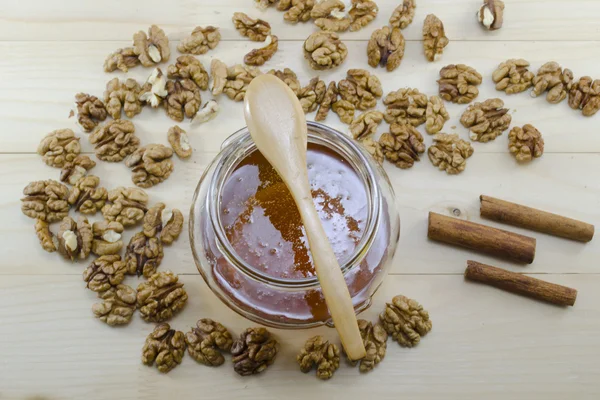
{"x": 292, "y": 302}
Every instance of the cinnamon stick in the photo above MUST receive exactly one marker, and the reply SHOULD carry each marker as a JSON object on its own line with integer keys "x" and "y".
{"x": 537, "y": 220}
{"x": 521, "y": 284}
{"x": 481, "y": 237}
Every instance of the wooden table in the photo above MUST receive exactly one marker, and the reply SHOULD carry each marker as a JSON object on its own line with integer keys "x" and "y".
{"x": 485, "y": 343}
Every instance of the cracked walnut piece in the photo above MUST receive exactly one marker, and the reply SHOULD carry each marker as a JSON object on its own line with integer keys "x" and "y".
{"x": 160, "y": 297}
{"x": 552, "y": 78}
{"x": 525, "y": 143}
{"x": 324, "y": 50}
{"x": 345, "y": 110}
{"x": 164, "y": 223}
{"x": 585, "y": 95}
{"x": 200, "y": 41}
{"x": 125, "y": 95}
{"x": 86, "y": 196}
{"x": 254, "y": 351}
{"x": 436, "y": 115}
{"x": 458, "y": 83}
{"x": 76, "y": 169}
{"x": 299, "y": 11}
{"x": 154, "y": 90}
{"x": 183, "y": 99}
{"x": 373, "y": 147}
{"x": 238, "y": 79}
{"x": 486, "y": 120}
{"x": 127, "y": 206}
{"x": 48, "y": 241}
{"x": 288, "y": 77}
{"x": 361, "y": 88}
{"x": 365, "y": 125}
{"x": 374, "y": 338}
{"x": 312, "y": 95}
{"x": 207, "y": 340}
{"x": 165, "y": 347}
{"x": 491, "y": 14}
{"x": 434, "y": 38}
{"x": 386, "y": 48}
{"x": 330, "y": 97}
{"x": 513, "y": 76}
{"x": 256, "y": 30}
{"x": 179, "y": 141}
{"x": 118, "y": 306}
{"x": 74, "y": 238}
{"x": 207, "y": 112}
{"x": 107, "y": 238}
{"x": 402, "y": 146}
{"x": 90, "y": 111}
{"x": 150, "y": 165}
{"x": 405, "y": 320}
{"x": 362, "y": 13}
{"x": 406, "y": 105}
{"x": 403, "y": 14}
{"x": 218, "y": 71}
{"x": 329, "y": 15}
{"x": 59, "y": 147}
{"x": 45, "y": 200}
{"x": 152, "y": 48}
{"x": 189, "y": 67}
{"x": 104, "y": 273}
{"x": 143, "y": 255}
{"x": 449, "y": 153}
{"x": 122, "y": 59}
{"x": 114, "y": 140}
{"x": 318, "y": 352}
{"x": 262, "y": 55}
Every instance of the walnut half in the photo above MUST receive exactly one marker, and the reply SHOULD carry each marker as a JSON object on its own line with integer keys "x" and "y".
{"x": 491, "y": 14}
{"x": 449, "y": 153}
{"x": 260, "y": 56}
{"x": 525, "y": 143}
{"x": 150, "y": 165}
{"x": 151, "y": 48}
{"x": 324, "y": 50}
{"x": 386, "y": 48}
{"x": 179, "y": 141}
{"x": 486, "y": 120}
{"x": 434, "y": 38}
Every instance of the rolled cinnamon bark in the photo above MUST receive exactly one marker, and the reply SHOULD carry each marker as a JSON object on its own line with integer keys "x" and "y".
{"x": 521, "y": 284}
{"x": 537, "y": 220}
{"x": 481, "y": 237}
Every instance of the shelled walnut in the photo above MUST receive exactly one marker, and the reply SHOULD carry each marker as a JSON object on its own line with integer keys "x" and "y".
{"x": 123, "y": 95}
{"x": 261, "y": 55}
{"x": 154, "y": 91}
{"x": 165, "y": 347}
{"x": 74, "y": 238}
{"x": 45, "y": 200}
{"x": 106, "y": 237}
{"x": 143, "y": 255}
{"x": 362, "y": 13}
{"x": 403, "y": 15}
{"x": 254, "y": 351}
{"x": 491, "y": 14}
{"x": 405, "y": 320}
{"x": 312, "y": 95}
{"x": 386, "y": 48}
{"x": 114, "y": 140}
{"x": 525, "y": 143}
{"x": 183, "y": 99}
{"x": 486, "y": 120}
{"x": 151, "y": 48}
{"x": 218, "y": 72}
{"x": 189, "y": 67}
{"x": 406, "y": 105}
{"x": 238, "y": 79}
{"x": 330, "y": 97}
{"x": 345, "y": 110}
{"x": 299, "y": 11}
{"x": 160, "y": 297}
{"x": 179, "y": 141}
{"x": 76, "y": 169}
{"x": 90, "y": 111}
{"x": 449, "y": 153}
{"x": 150, "y": 165}
{"x": 127, "y": 206}
{"x": 374, "y": 339}
{"x": 207, "y": 340}
{"x": 209, "y": 111}
{"x": 264, "y": 4}
{"x": 434, "y": 38}
{"x": 118, "y": 306}
{"x": 436, "y": 115}
{"x": 585, "y": 95}
{"x": 288, "y": 77}
{"x": 373, "y": 147}
{"x": 553, "y": 79}
{"x": 361, "y": 88}
{"x": 329, "y": 15}
{"x": 365, "y": 125}
{"x": 318, "y": 352}
{"x": 163, "y": 223}
{"x": 458, "y": 83}
{"x": 122, "y": 59}
{"x": 402, "y": 146}
{"x": 87, "y": 196}
{"x": 200, "y": 41}
{"x": 324, "y": 50}
{"x": 254, "y": 29}
{"x": 48, "y": 240}
{"x": 513, "y": 76}
{"x": 104, "y": 273}
{"x": 59, "y": 147}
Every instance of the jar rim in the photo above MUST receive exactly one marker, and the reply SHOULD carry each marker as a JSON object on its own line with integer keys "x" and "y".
{"x": 239, "y": 145}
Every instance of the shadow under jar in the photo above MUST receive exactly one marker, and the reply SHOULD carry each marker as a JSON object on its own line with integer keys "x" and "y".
{"x": 249, "y": 243}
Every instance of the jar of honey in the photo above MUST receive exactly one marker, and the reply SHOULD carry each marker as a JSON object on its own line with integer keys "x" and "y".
{"x": 249, "y": 243}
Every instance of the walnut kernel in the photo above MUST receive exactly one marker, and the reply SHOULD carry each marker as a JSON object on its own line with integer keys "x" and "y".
{"x": 345, "y": 110}
{"x": 200, "y": 41}
{"x": 218, "y": 71}
{"x": 48, "y": 241}
{"x": 403, "y": 15}
{"x": 150, "y": 165}
{"x": 126, "y": 205}
{"x": 406, "y": 105}
{"x": 59, "y": 147}
{"x": 165, "y": 347}
{"x": 262, "y": 55}
{"x": 104, "y": 273}
{"x": 118, "y": 306}
{"x": 405, "y": 320}
{"x": 402, "y": 146}
{"x": 434, "y": 38}
{"x": 362, "y": 13}
{"x": 87, "y": 196}
{"x": 143, "y": 255}
{"x": 207, "y": 340}
{"x": 458, "y": 83}
{"x": 585, "y": 95}
{"x": 76, "y": 169}
{"x": 45, "y": 200}
{"x": 107, "y": 237}
{"x": 160, "y": 297}
{"x": 90, "y": 111}
{"x": 154, "y": 90}
{"x": 207, "y": 112}
{"x": 436, "y": 115}
{"x": 312, "y": 94}
{"x": 324, "y": 50}
{"x": 513, "y": 76}
{"x": 254, "y": 351}
{"x": 299, "y": 11}
{"x": 238, "y": 79}
{"x": 373, "y": 147}
{"x": 329, "y": 15}
{"x": 152, "y": 48}
{"x": 318, "y": 352}
{"x": 183, "y": 99}
{"x": 330, "y": 97}
{"x": 122, "y": 59}
{"x": 163, "y": 223}
{"x": 552, "y": 78}
{"x": 179, "y": 141}
{"x": 491, "y": 14}
{"x": 189, "y": 67}
{"x": 125, "y": 95}
{"x": 449, "y": 153}
{"x": 114, "y": 140}
{"x": 288, "y": 77}
{"x": 365, "y": 125}
{"x": 386, "y": 48}
{"x": 361, "y": 88}
{"x": 74, "y": 238}
{"x": 254, "y": 29}
{"x": 525, "y": 143}
{"x": 486, "y": 120}
{"x": 375, "y": 341}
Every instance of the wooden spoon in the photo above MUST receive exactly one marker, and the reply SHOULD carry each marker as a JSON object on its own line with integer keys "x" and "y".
{"x": 278, "y": 127}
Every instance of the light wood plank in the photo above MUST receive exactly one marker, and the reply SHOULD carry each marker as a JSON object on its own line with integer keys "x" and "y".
{"x": 485, "y": 343}
{"x": 110, "y": 20}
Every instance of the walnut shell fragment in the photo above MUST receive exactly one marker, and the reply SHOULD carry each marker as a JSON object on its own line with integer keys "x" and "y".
{"x": 525, "y": 143}
{"x": 238, "y": 79}
{"x": 491, "y": 14}
{"x": 163, "y": 223}
{"x": 288, "y": 77}
{"x": 405, "y": 320}
{"x": 90, "y": 111}
{"x": 107, "y": 237}
{"x": 386, "y": 48}
{"x": 123, "y": 95}
{"x": 118, "y": 306}
{"x": 330, "y": 97}
{"x": 76, "y": 169}
{"x": 406, "y": 105}
{"x": 486, "y": 120}
{"x": 48, "y": 240}
{"x": 324, "y": 50}
{"x": 143, "y": 255}
{"x": 183, "y": 99}
{"x": 122, "y": 59}
{"x": 45, "y": 200}
{"x": 74, "y": 238}
{"x": 114, "y": 140}
{"x": 436, "y": 115}
{"x": 104, "y": 273}
{"x": 299, "y": 11}
{"x": 254, "y": 29}
{"x": 434, "y": 38}
{"x": 254, "y": 351}
{"x": 365, "y": 125}
{"x": 179, "y": 141}
{"x": 126, "y": 206}
{"x": 260, "y": 56}
{"x": 59, "y": 147}
{"x": 318, "y": 352}
{"x": 553, "y": 79}
{"x": 375, "y": 341}
{"x": 329, "y": 15}
{"x": 402, "y": 146}
{"x": 345, "y": 110}
{"x": 165, "y": 347}
{"x": 154, "y": 90}
{"x": 207, "y": 340}
{"x": 160, "y": 297}
{"x": 189, "y": 67}
{"x": 200, "y": 41}
{"x": 311, "y": 95}
{"x": 513, "y": 76}
{"x": 150, "y": 165}
{"x": 403, "y": 15}
{"x": 585, "y": 95}
{"x": 151, "y": 48}
{"x": 449, "y": 153}
{"x": 362, "y": 13}
{"x": 458, "y": 83}
{"x": 87, "y": 196}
